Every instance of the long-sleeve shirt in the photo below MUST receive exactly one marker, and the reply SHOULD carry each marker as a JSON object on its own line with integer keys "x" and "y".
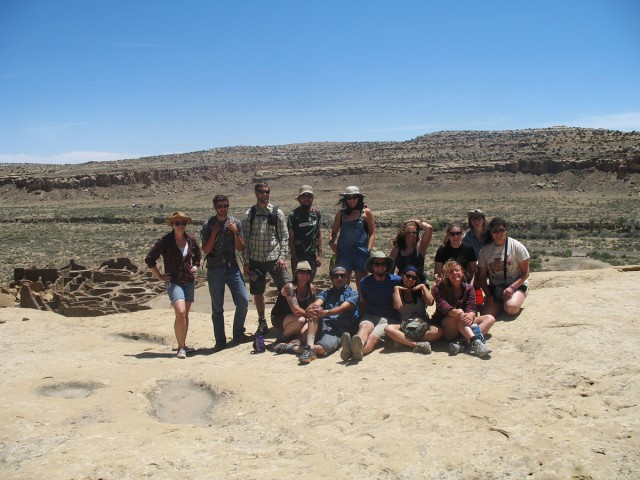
{"x": 261, "y": 242}
{"x": 175, "y": 264}
{"x": 467, "y": 302}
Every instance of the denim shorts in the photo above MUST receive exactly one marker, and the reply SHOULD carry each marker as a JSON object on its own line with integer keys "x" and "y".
{"x": 177, "y": 291}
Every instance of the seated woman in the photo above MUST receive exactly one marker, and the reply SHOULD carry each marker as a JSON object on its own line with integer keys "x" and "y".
{"x": 505, "y": 262}
{"x": 288, "y": 313}
{"x": 411, "y": 299}
{"x": 353, "y": 234}
{"x": 411, "y": 249}
{"x": 454, "y": 249}
{"x": 456, "y": 310}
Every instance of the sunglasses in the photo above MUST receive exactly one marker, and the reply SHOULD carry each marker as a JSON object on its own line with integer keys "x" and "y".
{"x": 498, "y": 230}
{"x": 455, "y": 234}
{"x": 351, "y": 197}
{"x": 180, "y": 224}
{"x": 305, "y": 272}
{"x": 225, "y": 205}
{"x": 263, "y": 191}
{"x": 408, "y": 275}
{"x": 339, "y": 275}
{"x": 379, "y": 264}
{"x": 306, "y": 195}
{"x": 411, "y": 233}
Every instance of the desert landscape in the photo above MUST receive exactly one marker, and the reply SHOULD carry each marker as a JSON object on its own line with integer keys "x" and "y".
{"x": 104, "y": 397}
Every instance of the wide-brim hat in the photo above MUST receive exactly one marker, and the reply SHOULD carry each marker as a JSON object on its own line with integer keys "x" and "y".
{"x": 176, "y": 216}
{"x": 476, "y": 212}
{"x": 304, "y": 265}
{"x": 305, "y": 189}
{"x": 378, "y": 254}
{"x": 352, "y": 190}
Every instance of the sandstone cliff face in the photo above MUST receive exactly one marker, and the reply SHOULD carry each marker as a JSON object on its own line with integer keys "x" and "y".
{"x": 536, "y": 151}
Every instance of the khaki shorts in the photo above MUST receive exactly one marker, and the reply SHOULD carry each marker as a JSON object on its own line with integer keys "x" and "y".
{"x": 378, "y": 323}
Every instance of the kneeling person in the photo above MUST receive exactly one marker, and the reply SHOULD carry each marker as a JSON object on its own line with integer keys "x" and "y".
{"x": 331, "y": 317}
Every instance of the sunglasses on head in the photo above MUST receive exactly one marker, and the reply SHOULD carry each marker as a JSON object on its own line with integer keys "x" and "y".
{"x": 180, "y": 224}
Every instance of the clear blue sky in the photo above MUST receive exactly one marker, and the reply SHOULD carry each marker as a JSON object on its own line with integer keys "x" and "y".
{"x": 85, "y": 80}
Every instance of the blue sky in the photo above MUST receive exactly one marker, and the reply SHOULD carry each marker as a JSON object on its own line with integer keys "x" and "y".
{"x": 87, "y": 80}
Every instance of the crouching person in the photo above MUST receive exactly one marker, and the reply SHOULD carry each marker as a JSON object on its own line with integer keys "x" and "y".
{"x": 330, "y": 318}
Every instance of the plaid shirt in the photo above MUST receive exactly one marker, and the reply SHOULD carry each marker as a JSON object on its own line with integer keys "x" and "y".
{"x": 174, "y": 263}
{"x": 261, "y": 244}
{"x": 466, "y": 302}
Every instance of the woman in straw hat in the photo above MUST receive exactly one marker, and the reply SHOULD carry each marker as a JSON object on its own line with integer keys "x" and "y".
{"x": 355, "y": 230}
{"x": 181, "y": 256}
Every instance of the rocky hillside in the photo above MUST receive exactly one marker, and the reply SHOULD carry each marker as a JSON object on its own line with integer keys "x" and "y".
{"x": 534, "y": 151}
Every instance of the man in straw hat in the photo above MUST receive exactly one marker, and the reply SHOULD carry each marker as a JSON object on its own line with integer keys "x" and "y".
{"x": 305, "y": 235}
{"x": 376, "y": 307}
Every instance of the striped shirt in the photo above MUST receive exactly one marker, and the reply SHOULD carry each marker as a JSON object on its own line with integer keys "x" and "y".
{"x": 261, "y": 242}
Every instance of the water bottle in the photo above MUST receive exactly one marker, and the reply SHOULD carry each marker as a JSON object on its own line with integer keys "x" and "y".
{"x": 259, "y": 343}
{"x": 477, "y": 332}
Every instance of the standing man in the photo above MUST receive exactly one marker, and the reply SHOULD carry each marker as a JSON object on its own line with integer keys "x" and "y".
{"x": 376, "y": 306}
{"x": 221, "y": 237}
{"x": 305, "y": 236}
{"x": 266, "y": 248}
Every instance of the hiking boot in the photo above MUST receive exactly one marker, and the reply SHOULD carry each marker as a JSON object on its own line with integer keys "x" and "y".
{"x": 422, "y": 347}
{"x": 345, "y": 343}
{"x": 308, "y": 355}
{"x": 479, "y": 349}
{"x": 263, "y": 329}
{"x": 287, "y": 347}
{"x": 457, "y": 347}
{"x": 356, "y": 348}
{"x": 182, "y": 353}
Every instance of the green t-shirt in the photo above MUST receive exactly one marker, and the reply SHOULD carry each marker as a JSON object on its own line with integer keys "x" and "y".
{"x": 305, "y": 225}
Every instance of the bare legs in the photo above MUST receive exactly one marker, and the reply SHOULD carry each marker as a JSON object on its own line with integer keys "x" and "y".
{"x": 181, "y": 323}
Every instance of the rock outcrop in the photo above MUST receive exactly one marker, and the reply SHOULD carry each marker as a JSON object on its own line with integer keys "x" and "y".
{"x": 534, "y": 151}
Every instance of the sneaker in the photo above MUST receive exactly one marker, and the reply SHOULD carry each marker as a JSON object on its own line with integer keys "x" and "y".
{"x": 456, "y": 347}
{"x": 479, "y": 349}
{"x": 422, "y": 347}
{"x": 356, "y": 348}
{"x": 345, "y": 343}
{"x": 287, "y": 347}
{"x": 182, "y": 353}
{"x": 308, "y": 355}
{"x": 263, "y": 329}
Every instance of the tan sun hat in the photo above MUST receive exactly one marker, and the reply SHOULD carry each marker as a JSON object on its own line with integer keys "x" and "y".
{"x": 305, "y": 189}
{"x": 352, "y": 190}
{"x": 378, "y": 254}
{"x": 304, "y": 265}
{"x": 175, "y": 216}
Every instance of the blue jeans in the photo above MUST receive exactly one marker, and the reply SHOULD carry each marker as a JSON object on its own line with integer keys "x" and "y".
{"x": 217, "y": 277}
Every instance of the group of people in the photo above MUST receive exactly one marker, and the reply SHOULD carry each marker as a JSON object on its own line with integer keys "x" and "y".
{"x": 477, "y": 275}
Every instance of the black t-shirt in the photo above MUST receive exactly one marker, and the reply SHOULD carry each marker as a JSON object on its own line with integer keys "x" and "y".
{"x": 465, "y": 255}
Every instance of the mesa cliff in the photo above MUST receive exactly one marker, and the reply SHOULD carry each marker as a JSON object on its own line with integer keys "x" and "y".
{"x": 533, "y": 151}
